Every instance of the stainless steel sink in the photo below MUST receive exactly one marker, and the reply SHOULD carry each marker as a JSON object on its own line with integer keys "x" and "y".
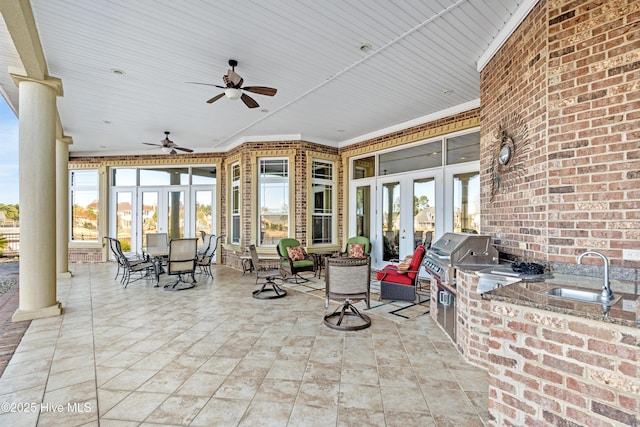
{"x": 579, "y": 295}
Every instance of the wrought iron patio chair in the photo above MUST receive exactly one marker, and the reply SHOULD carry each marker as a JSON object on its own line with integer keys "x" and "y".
{"x": 115, "y": 246}
{"x": 204, "y": 260}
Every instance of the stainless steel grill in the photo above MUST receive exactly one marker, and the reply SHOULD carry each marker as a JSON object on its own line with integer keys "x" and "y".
{"x": 454, "y": 250}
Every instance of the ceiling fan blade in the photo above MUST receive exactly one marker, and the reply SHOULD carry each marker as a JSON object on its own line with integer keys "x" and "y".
{"x": 215, "y": 98}
{"x": 249, "y": 101}
{"x": 155, "y": 145}
{"x": 261, "y": 90}
{"x": 186, "y": 150}
{"x": 206, "y": 84}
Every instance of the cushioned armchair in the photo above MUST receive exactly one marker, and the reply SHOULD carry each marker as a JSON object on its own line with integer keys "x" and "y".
{"x": 353, "y": 248}
{"x": 294, "y": 259}
{"x": 400, "y": 284}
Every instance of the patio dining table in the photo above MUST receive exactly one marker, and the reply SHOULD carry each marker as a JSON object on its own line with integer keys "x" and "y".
{"x": 156, "y": 254}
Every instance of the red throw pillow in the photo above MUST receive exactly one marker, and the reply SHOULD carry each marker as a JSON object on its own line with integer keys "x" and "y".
{"x": 295, "y": 253}
{"x": 356, "y": 250}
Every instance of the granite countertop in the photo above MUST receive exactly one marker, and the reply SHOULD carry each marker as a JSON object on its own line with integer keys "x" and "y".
{"x": 532, "y": 294}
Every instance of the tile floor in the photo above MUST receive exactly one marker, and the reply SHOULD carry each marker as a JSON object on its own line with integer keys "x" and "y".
{"x": 215, "y": 356}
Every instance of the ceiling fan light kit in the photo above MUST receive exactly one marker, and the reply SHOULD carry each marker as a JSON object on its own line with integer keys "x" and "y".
{"x": 233, "y": 93}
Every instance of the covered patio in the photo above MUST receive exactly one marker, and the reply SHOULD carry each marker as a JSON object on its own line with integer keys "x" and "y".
{"x": 215, "y": 356}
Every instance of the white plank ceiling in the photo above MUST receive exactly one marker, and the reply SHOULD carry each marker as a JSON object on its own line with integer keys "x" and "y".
{"x": 423, "y": 60}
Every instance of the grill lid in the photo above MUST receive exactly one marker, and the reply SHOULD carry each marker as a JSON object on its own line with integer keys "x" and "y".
{"x": 454, "y": 249}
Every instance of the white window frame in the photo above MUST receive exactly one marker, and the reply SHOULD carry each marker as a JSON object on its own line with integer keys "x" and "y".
{"x": 327, "y": 182}
{"x": 235, "y": 211}
{"x": 73, "y": 188}
{"x": 262, "y": 180}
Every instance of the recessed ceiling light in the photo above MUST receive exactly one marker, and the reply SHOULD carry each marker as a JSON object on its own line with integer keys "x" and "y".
{"x": 108, "y": 122}
{"x": 117, "y": 72}
{"x": 340, "y": 130}
{"x": 265, "y": 110}
{"x": 365, "y": 47}
{"x": 447, "y": 91}
{"x": 103, "y": 146}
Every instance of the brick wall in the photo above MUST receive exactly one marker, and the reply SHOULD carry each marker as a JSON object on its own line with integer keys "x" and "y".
{"x": 472, "y": 333}
{"x": 85, "y": 255}
{"x": 231, "y": 256}
{"x": 567, "y": 86}
{"x": 552, "y": 369}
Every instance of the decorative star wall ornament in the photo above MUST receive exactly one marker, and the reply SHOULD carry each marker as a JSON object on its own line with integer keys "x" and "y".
{"x": 510, "y": 145}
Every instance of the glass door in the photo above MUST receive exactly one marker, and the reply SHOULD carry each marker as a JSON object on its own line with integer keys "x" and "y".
{"x": 175, "y": 211}
{"x": 161, "y": 210}
{"x": 202, "y": 210}
{"x": 390, "y": 220}
{"x": 148, "y": 213}
{"x": 361, "y": 217}
{"x": 122, "y": 224}
{"x": 424, "y": 212}
{"x": 408, "y": 210}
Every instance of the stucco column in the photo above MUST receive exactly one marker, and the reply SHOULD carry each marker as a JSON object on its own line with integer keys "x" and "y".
{"x": 62, "y": 207}
{"x": 37, "y": 154}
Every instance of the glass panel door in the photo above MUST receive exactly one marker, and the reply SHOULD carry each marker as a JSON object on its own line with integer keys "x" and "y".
{"x": 390, "y": 223}
{"x": 175, "y": 214}
{"x": 203, "y": 211}
{"x": 424, "y": 215}
{"x": 149, "y": 212}
{"x": 408, "y": 211}
{"x": 362, "y": 218}
{"x": 161, "y": 210}
{"x": 363, "y": 211}
{"x": 466, "y": 202}
{"x": 123, "y": 220}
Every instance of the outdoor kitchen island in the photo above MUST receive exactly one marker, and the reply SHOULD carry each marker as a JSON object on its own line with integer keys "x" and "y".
{"x": 560, "y": 361}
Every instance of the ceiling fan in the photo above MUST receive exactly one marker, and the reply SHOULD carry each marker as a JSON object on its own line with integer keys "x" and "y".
{"x": 168, "y": 146}
{"x": 233, "y": 87}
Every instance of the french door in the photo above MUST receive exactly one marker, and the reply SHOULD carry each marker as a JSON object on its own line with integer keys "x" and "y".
{"x": 162, "y": 210}
{"x": 396, "y": 212}
{"x": 179, "y": 211}
{"x": 408, "y": 206}
{"x": 362, "y": 210}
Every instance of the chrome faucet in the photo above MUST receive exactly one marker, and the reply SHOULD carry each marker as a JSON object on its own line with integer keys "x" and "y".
{"x": 606, "y": 287}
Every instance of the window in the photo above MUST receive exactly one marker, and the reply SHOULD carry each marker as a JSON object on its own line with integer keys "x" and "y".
{"x": 466, "y": 202}
{"x": 273, "y": 200}
{"x": 423, "y": 156}
{"x": 322, "y": 202}
{"x": 364, "y": 168}
{"x": 235, "y": 203}
{"x": 463, "y": 148}
{"x": 84, "y": 205}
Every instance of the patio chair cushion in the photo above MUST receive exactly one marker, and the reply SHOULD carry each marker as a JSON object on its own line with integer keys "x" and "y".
{"x": 391, "y": 273}
{"x": 356, "y": 250}
{"x": 295, "y": 253}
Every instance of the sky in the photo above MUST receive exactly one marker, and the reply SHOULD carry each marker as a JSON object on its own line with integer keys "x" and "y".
{"x": 9, "y": 194}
